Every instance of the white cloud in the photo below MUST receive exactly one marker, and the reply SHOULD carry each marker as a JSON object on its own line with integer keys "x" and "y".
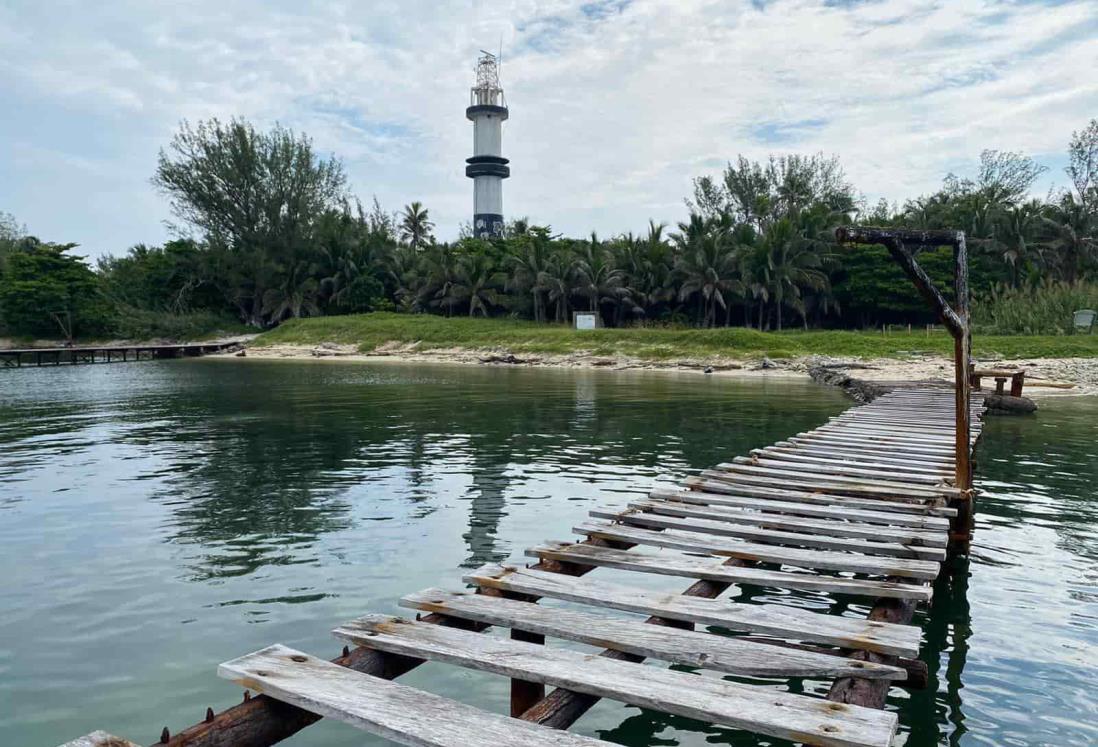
{"x": 615, "y": 106}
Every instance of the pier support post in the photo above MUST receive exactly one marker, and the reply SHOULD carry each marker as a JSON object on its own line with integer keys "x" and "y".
{"x": 904, "y": 245}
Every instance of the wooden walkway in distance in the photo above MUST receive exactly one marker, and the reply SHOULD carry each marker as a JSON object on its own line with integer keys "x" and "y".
{"x": 19, "y": 357}
{"x": 858, "y": 509}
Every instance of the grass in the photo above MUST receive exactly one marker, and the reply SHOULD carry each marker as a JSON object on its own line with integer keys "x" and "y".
{"x": 368, "y": 331}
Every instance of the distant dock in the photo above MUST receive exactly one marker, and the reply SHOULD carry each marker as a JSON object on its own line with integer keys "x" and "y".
{"x": 19, "y": 357}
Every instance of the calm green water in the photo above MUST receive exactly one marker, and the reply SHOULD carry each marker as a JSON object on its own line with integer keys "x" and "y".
{"x": 158, "y": 518}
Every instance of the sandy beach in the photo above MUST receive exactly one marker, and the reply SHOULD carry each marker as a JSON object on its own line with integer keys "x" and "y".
{"x": 1045, "y": 377}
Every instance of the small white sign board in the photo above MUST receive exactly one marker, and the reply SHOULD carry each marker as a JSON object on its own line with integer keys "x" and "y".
{"x": 585, "y": 321}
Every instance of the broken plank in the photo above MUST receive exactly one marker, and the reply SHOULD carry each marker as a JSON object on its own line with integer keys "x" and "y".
{"x": 690, "y": 540}
{"x": 760, "y": 710}
{"x": 795, "y": 507}
{"x": 399, "y": 713}
{"x": 743, "y": 485}
{"x": 692, "y": 648}
{"x": 690, "y": 566}
{"x": 884, "y": 540}
{"x": 776, "y": 620}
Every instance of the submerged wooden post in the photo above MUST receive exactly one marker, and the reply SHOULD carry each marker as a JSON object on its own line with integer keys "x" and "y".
{"x": 903, "y": 245}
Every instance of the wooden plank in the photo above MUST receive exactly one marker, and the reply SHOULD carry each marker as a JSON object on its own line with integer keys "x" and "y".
{"x": 795, "y": 507}
{"x": 777, "y": 620}
{"x": 844, "y": 470}
{"x": 399, "y": 713}
{"x": 879, "y": 451}
{"x": 690, "y": 566}
{"x": 857, "y": 486}
{"x": 883, "y": 537}
{"x": 895, "y": 435}
{"x": 760, "y": 710}
{"x": 854, "y": 454}
{"x": 854, "y": 458}
{"x": 676, "y": 645}
{"x": 99, "y": 739}
{"x": 879, "y": 444}
{"x": 690, "y": 540}
{"x": 739, "y": 475}
{"x": 743, "y": 486}
{"x": 650, "y": 516}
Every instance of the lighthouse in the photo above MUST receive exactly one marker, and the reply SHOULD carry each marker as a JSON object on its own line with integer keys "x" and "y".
{"x": 487, "y": 167}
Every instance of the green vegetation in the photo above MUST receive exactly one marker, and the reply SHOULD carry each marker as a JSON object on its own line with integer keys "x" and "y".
{"x": 656, "y": 343}
{"x": 276, "y": 236}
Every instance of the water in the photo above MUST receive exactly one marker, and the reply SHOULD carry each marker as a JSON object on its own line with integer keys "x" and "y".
{"x": 159, "y": 518}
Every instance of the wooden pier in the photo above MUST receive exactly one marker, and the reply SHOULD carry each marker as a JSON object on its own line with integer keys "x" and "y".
{"x": 861, "y": 509}
{"x": 19, "y": 357}
{"x": 865, "y": 509}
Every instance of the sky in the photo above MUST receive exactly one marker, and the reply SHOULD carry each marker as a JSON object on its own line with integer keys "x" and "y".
{"x": 616, "y": 105}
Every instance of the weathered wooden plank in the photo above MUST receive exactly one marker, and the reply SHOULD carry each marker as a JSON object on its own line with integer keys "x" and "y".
{"x": 848, "y": 485}
{"x": 745, "y": 486}
{"x": 690, "y": 566}
{"x": 649, "y": 516}
{"x": 775, "y": 620}
{"x": 843, "y": 470}
{"x": 868, "y": 448}
{"x": 879, "y": 444}
{"x": 896, "y": 435}
{"x": 795, "y": 507}
{"x": 879, "y": 539}
{"x": 760, "y": 710}
{"x": 747, "y": 476}
{"x": 853, "y": 459}
{"x": 690, "y": 540}
{"x": 99, "y": 739}
{"x": 853, "y": 454}
{"x": 678, "y": 646}
{"x": 399, "y": 713}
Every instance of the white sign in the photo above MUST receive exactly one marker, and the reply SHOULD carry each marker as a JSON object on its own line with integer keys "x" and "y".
{"x": 585, "y": 321}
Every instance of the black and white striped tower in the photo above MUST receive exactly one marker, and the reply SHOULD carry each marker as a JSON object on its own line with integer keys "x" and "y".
{"x": 487, "y": 168}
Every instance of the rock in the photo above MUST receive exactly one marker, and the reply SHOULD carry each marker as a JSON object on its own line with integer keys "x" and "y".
{"x": 504, "y": 358}
{"x": 859, "y": 389}
{"x": 708, "y": 370}
{"x": 1004, "y": 403}
{"x": 767, "y": 363}
{"x": 242, "y": 354}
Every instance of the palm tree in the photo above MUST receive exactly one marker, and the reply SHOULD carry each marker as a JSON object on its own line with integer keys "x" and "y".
{"x": 443, "y": 278}
{"x": 710, "y": 268}
{"x": 415, "y": 226}
{"x": 477, "y": 283}
{"x": 793, "y": 266}
{"x": 529, "y": 265}
{"x": 294, "y": 295}
{"x": 1017, "y": 224}
{"x": 1072, "y": 236}
{"x": 596, "y": 277}
{"x": 557, "y": 279}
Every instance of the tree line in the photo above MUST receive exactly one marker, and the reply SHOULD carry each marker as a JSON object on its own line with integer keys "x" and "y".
{"x": 269, "y": 231}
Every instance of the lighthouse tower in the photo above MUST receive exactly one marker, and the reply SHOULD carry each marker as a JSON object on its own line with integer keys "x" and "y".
{"x": 487, "y": 167}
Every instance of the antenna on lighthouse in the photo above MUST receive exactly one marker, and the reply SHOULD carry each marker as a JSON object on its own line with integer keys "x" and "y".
{"x": 487, "y": 167}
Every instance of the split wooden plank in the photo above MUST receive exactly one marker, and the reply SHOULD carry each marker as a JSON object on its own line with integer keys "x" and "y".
{"x": 675, "y": 645}
{"x": 861, "y": 461}
{"x": 396, "y": 712}
{"x": 740, "y": 475}
{"x": 794, "y": 507}
{"x": 650, "y": 516}
{"x": 844, "y": 470}
{"x": 850, "y": 453}
{"x": 99, "y": 739}
{"x": 859, "y": 486}
{"x": 690, "y": 566}
{"x": 883, "y": 537}
{"x": 690, "y": 540}
{"x": 729, "y": 485}
{"x": 760, "y": 710}
{"x": 879, "y": 442}
{"x": 777, "y": 620}
{"x": 866, "y": 446}
{"x": 898, "y": 434}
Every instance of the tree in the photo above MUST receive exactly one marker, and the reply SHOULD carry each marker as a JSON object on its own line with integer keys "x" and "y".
{"x": 478, "y": 283}
{"x": 709, "y": 266}
{"x": 415, "y": 226}
{"x": 1083, "y": 165}
{"x": 45, "y": 290}
{"x": 1071, "y": 236}
{"x": 596, "y": 277}
{"x": 258, "y": 197}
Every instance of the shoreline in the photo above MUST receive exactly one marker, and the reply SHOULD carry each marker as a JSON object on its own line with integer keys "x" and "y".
{"x": 1081, "y": 372}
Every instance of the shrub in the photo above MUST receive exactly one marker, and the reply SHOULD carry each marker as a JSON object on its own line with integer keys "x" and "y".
{"x": 1043, "y": 309}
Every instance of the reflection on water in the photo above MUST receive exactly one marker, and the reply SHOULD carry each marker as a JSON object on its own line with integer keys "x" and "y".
{"x": 158, "y": 518}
